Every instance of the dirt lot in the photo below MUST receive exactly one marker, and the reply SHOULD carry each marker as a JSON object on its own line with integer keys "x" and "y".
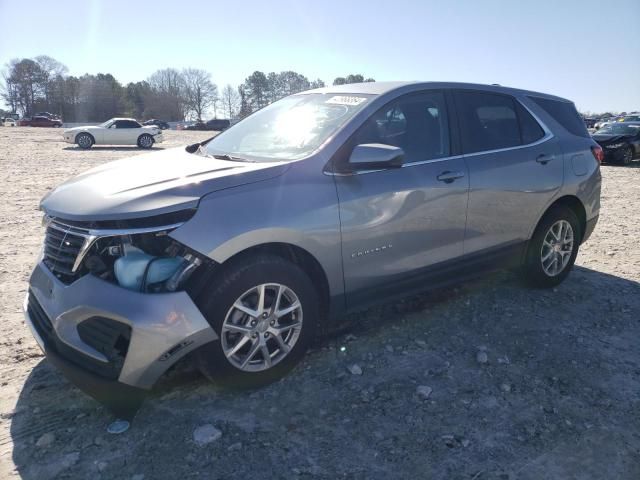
{"x": 557, "y": 397}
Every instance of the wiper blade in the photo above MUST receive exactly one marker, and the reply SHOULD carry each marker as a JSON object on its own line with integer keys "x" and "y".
{"x": 193, "y": 148}
{"x": 231, "y": 158}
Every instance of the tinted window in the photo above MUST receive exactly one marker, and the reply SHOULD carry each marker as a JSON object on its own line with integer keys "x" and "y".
{"x": 530, "y": 130}
{"x": 416, "y": 123}
{"x": 127, "y": 124}
{"x": 565, "y": 114}
{"x": 488, "y": 121}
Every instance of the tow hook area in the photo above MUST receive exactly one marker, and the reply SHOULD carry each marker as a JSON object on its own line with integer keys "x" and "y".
{"x": 173, "y": 350}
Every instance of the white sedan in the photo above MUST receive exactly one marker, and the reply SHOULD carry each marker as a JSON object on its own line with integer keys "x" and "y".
{"x": 117, "y": 131}
{"x": 7, "y": 122}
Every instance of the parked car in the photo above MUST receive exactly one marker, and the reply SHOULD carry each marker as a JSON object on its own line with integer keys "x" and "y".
{"x": 117, "y": 131}
{"x": 47, "y": 115}
{"x": 216, "y": 124}
{"x": 8, "y": 122}
{"x": 45, "y": 122}
{"x": 630, "y": 118}
{"x": 322, "y": 203}
{"x": 158, "y": 123}
{"x": 620, "y": 141}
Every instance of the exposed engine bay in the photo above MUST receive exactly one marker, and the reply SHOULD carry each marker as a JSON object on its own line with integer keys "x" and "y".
{"x": 141, "y": 259}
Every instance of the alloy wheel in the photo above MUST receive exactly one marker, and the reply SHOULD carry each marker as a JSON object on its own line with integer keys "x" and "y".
{"x": 146, "y": 141}
{"x": 261, "y": 327}
{"x": 84, "y": 141}
{"x": 557, "y": 248}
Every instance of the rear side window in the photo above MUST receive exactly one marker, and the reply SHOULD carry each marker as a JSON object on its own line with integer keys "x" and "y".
{"x": 530, "y": 130}
{"x": 488, "y": 121}
{"x": 565, "y": 114}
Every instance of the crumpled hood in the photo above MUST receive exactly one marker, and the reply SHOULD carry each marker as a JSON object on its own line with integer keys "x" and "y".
{"x": 607, "y": 139}
{"x": 150, "y": 184}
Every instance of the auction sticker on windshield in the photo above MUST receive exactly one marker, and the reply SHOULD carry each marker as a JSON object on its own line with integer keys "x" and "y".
{"x": 346, "y": 100}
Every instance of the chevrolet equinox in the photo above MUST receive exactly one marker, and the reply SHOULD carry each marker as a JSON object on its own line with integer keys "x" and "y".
{"x": 241, "y": 249}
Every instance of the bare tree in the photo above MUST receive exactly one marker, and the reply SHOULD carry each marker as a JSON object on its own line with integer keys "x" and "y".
{"x": 230, "y": 101}
{"x": 166, "y": 98}
{"x": 200, "y": 92}
{"x": 9, "y": 89}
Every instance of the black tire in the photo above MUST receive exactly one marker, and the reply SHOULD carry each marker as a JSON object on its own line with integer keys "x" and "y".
{"x": 84, "y": 141}
{"x": 145, "y": 141}
{"x": 237, "y": 279}
{"x": 627, "y": 155}
{"x": 533, "y": 271}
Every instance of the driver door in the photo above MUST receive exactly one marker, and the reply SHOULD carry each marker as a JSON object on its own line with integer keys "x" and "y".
{"x": 110, "y": 135}
{"x": 398, "y": 223}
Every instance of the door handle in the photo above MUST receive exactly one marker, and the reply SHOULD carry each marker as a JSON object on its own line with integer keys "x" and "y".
{"x": 544, "y": 159}
{"x": 449, "y": 177}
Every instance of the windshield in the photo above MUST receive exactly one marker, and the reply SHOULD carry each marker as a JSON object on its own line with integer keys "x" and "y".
{"x": 106, "y": 124}
{"x": 289, "y": 129}
{"x": 619, "y": 129}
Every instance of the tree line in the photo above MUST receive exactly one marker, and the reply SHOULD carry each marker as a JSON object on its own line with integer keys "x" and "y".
{"x": 31, "y": 85}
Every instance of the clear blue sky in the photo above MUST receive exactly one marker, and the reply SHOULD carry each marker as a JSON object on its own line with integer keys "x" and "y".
{"x": 587, "y": 51}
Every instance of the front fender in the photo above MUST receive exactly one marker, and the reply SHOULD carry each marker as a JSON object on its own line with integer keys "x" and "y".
{"x": 297, "y": 208}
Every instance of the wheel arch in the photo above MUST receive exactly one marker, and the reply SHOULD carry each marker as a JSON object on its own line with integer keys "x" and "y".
{"x": 298, "y": 256}
{"x": 575, "y": 204}
{"x": 75, "y": 139}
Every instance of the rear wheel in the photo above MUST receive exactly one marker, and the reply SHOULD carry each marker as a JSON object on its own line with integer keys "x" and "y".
{"x": 145, "y": 141}
{"x": 265, "y": 313}
{"x": 553, "y": 248}
{"x": 84, "y": 141}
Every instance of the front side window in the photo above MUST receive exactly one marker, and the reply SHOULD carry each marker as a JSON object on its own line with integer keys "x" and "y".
{"x": 416, "y": 123}
{"x": 127, "y": 124}
{"x": 289, "y": 129}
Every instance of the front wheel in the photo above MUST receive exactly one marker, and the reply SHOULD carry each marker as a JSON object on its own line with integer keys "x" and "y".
{"x": 265, "y": 311}
{"x": 84, "y": 141}
{"x": 627, "y": 155}
{"x": 553, "y": 248}
{"x": 145, "y": 141}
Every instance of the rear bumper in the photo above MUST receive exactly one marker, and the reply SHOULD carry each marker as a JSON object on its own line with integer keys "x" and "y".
{"x": 163, "y": 328}
{"x": 589, "y": 228}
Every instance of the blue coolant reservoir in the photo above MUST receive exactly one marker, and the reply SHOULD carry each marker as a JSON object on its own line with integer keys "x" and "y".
{"x": 130, "y": 269}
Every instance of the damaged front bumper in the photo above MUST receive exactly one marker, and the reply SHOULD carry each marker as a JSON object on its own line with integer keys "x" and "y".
{"x": 113, "y": 343}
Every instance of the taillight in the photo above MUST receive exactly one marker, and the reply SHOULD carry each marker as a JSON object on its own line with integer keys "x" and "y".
{"x": 598, "y": 153}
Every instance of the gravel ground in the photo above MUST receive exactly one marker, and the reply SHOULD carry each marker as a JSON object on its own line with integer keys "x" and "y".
{"x": 489, "y": 380}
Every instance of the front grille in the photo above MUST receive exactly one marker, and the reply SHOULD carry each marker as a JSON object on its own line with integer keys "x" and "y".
{"x": 62, "y": 245}
{"x": 109, "y": 337}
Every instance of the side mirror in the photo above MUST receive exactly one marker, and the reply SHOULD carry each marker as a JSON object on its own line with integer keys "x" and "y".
{"x": 373, "y": 156}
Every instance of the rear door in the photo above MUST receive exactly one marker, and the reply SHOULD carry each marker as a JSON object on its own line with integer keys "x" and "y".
{"x": 515, "y": 168}
{"x": 396, "y": 222}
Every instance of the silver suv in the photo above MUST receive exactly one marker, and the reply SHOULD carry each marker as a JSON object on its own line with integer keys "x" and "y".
{"x": 242, "y": 249}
